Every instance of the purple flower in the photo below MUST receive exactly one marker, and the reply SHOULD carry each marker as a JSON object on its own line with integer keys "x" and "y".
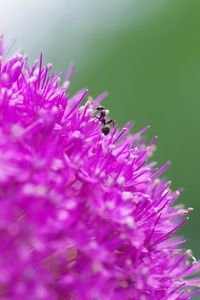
{"x": 83, "y": 215}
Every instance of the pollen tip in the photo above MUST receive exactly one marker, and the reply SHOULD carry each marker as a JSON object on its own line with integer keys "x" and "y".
{"x": 190, "y": 209}
{"x": 49, "y": 65}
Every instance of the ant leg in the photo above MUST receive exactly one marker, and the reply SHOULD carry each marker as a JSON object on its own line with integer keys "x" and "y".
{"x": 111, "y": 121}
{"x": 101, "y": 120}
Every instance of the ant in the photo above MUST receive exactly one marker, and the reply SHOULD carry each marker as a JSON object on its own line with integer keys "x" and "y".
{"x": 102, "y": 119}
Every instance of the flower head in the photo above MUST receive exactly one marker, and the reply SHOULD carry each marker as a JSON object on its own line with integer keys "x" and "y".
{"x": 83, "y": 215}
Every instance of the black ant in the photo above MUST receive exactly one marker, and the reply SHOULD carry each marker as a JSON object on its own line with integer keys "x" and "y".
{"x": 104, "y": 122}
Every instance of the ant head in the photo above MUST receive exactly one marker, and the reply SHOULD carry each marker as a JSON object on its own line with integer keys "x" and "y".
{"x": 99, "y": 108}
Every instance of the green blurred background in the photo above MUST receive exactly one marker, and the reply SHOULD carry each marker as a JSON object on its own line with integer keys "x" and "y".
{"x": 146, "y": 54}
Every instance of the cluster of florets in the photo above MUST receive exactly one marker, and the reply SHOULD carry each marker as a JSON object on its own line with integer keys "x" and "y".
{"x": 83, "y": 215}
